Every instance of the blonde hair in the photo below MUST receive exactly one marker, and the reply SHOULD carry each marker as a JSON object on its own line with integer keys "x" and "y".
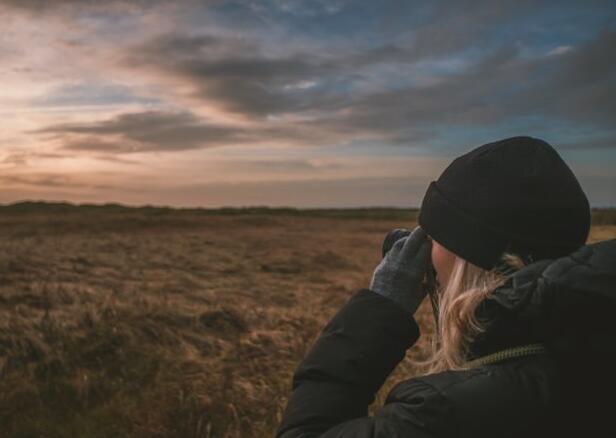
{"x": 457, "y": 327}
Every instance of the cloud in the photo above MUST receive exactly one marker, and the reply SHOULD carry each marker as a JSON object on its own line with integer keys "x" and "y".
{"x": 282, "y": 166}
{"x": 377, "y": 77}
{"x": 302, "y": 8}
{"x": 559, "y": 50}
{"x": 247, "y": 78}
{"x": 297, "y": 99}
{"x": 87, "y": 94}
{"x": 159, "y": 131}
{"x": 45, "y": 6}
{"x": 392, "y": 91}
{"x": 234, "y": 73}
{"x": 21, "y": 158}
{"x": 605, "y": 142}
{"x": 579, "y": 86}
{"x": 582, "y": 84}
{"x": 144, "y": 132}
{"x": 458, "y": 25}
{"x": 47, "y": 180}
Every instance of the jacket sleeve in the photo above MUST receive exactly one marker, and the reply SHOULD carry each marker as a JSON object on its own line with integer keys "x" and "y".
{"x": 339, "y": 377}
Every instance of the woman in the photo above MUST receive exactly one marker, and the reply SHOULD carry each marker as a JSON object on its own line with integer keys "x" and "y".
{"x": 525, "y": 314}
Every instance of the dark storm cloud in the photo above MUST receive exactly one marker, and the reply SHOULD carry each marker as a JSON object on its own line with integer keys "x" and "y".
{"x": 453, "y": 26}
{"x": 582, "y": 83}
{"x": 235, "y": 73}
{"x": 240, "y": 75}
{"x": 142, "y": 132}
{"x": 397, "y": 90}
{"x": 155, "y": 131}
{"x": 578, "y": 86}
{"x": 473, "y": 96}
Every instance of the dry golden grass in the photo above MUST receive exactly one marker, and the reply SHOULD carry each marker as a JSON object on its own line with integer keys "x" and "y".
{"x": 173, "y": 324}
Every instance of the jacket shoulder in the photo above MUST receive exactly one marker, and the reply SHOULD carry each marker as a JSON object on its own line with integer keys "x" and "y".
{"x": 513, "y": 398}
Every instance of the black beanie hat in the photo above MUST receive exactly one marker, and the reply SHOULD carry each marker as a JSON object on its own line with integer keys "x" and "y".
{"x": 515, "y": 195}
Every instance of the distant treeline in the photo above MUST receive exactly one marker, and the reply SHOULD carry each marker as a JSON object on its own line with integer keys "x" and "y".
{"x": 66, "y": 207}
{"x": 600, "y": 216}
{"x": 604, "y": 216}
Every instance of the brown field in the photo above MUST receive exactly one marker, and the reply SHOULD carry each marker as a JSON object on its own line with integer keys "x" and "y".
{"x": 159, "y": 323}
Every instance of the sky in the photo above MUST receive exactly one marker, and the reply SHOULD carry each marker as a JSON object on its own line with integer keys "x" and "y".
{"x": 321, "y": 103}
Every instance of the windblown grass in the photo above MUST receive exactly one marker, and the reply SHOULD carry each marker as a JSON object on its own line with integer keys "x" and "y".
{"x": 118, "y": 322}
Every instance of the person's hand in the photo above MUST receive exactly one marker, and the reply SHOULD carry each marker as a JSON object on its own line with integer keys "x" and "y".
{"x": 400, "y": 274}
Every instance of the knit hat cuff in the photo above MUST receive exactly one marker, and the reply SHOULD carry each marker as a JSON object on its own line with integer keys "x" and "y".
{"x": 458, "y": 231}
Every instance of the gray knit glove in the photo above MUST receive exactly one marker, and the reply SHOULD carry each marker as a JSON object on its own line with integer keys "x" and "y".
{"x": 400, "y": 274}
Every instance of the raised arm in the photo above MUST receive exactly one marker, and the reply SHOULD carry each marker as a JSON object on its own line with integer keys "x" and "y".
{"x": 356, "y": 351}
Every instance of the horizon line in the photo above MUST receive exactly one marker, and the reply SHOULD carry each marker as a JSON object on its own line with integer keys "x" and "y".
{"x": 222, "y": 207}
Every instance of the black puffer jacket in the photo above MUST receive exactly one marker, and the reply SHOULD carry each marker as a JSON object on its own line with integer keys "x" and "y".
{"x": 567, "y": 304}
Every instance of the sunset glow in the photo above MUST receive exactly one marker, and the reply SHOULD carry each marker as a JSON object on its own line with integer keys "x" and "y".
{"x": 295, "y": 103}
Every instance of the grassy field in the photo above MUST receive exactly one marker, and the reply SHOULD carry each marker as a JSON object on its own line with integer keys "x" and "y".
{"x": 155, "y": 322}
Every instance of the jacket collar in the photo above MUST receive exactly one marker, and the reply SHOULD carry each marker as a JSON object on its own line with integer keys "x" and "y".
{"x": 567, "y": 304}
